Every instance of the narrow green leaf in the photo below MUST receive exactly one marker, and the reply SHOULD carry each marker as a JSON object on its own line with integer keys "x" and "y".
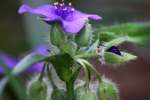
{"x": 27, "y": 62}
{"x": 107, "y": 36}
{"x": 138, "y": 33}
{"x": 86, "y": 71}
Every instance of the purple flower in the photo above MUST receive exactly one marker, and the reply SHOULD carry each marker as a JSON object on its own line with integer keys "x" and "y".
{"x": 11, "y": 62}
{"x": 71, "y": 20}
{"x": 8, "y": 60}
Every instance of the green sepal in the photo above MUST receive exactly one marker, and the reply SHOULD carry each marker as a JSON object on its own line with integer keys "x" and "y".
{"x": 37, "y": 90}
{"x": 63, "y": 65}
{"x": 107, "y": 90}
{"x": 89, "y": 52}
{"x": 58, "y": 94}
{"x": 57, "y": 35}
{"x": 116, "y": 42}
{"x": 112, "y": 58}
{"x": 84, "y": 37}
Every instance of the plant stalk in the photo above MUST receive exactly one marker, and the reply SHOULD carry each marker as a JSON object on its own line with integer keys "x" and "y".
{"x": 70, "y": 90}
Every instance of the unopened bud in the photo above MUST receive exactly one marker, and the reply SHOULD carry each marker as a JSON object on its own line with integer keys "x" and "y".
{"x": 107, "y": 90}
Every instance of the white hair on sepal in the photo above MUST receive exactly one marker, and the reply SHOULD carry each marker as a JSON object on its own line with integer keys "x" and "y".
{"x": 79, "y": 83}
{"x": 93, "y": 86}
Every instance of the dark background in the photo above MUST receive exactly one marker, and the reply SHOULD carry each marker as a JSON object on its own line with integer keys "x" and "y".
{"x": 18, "y": 34}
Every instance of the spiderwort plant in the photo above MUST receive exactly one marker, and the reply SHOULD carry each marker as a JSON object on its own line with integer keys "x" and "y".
{"x": 72, "y": 42}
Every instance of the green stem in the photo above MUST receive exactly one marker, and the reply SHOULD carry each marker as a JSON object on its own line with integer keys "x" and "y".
{"x": 70, "y": 90}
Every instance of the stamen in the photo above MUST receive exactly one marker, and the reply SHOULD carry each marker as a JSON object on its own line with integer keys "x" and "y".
{"x": 56, "y": 3}
{"x": 70, "y": 4}
{"x": 63, "y": 10}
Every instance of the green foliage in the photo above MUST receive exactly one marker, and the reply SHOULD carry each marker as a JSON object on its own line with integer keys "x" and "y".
{"x": 107, "y": 90}
{"x": 138, "y": 33}
{"x": 112, "y": 58}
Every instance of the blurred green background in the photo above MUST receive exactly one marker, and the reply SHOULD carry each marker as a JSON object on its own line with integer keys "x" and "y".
{"x": 19, "y": 33}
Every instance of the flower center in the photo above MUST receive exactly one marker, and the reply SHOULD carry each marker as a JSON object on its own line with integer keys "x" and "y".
{"x": 64, "y": 11}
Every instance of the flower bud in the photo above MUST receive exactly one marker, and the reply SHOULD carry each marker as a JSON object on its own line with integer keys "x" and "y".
{"x": 89, "y": 95}
{"x": 84, "y": 37}
{"x": 118, "y": 59}
{"x": 107, "y": 90}
{"x": 79, "y": 92}
{"x": 58, "y": 94}
{"x": 57, "y": 36}
{"x": 82, "y": 93}
{"x": 37, "y": 90}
